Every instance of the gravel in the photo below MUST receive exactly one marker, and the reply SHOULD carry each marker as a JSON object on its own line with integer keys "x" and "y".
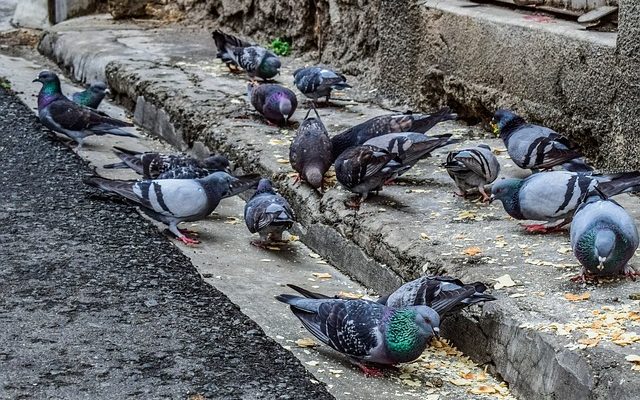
{"x": 96, "y": 303}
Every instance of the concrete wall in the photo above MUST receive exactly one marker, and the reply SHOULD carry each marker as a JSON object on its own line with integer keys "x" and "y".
{"x": 42, "y": 13}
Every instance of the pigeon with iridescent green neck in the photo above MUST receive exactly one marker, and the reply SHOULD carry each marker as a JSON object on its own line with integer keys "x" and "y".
{"x": 62, "y": 115}
{"x": 276, "y": 103}
{"x": 257, "y": 61}
{"x": 92, "y": 96}
{"x": 366, "y": 331}
{"x": 604, "y": 237}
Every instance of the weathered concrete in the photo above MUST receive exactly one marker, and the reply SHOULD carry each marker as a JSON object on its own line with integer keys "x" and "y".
{"x": 204, "y": 104}
{"x": 31, "y": 14}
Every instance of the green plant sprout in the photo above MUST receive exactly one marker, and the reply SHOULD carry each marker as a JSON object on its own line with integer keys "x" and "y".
{"x": 280, "y": 47}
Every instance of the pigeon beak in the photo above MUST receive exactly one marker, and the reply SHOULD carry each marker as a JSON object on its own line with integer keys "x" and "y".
{"x": 491, "y": 199}
{"x": 107, "y": 91}
{"x": 436, "y": 331}
{"x": 36, "y": 80}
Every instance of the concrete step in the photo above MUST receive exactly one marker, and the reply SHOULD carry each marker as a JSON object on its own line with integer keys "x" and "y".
{"x": 544, "y": 345}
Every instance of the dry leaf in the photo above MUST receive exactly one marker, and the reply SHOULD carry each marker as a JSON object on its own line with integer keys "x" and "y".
{"x": 322, "y": 275}
{"x": 314, "y": 255}
{"x": 306, "y": 342}
{"x": 483, "y": 389}
{"x": 634, "y": 358}
{"x": 504, "y": 281}
{"x": 312, "y": 363}
{"x": 279, "y": 142}
{"x": 282, "y": 161}
{"x": 577, "y": 297}
{"x": 349, "y": 295}
{"x": 293, "y": 238}
{"x": 231, "y": 220}
{"x": 335, "y": 371}
{"x": 589, "y": 342}
{"x": 472, "y": 251}
{"x": 424, "y": 236}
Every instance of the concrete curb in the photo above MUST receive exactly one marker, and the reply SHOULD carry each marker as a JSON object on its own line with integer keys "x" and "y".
{"x": 173, "y": 103}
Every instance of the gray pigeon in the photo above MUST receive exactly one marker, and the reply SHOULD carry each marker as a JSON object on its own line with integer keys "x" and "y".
{"x": 410, "y": 147}
{"x": 172, "y": 201}
{"x": 473, "y": 168}
{"x": 532, "y": 146}
{"x": 553, "y": 196}
{"x": 276, "y": 103}
{"x": 365, "y": 331}
{"x": 92, "y": 96}
{"x": 268, "y": 213}
{"x": 364, "y": 169}
{"x": 442, "y": 293}
{"x": 604, "y": 237}
{"x": 316, "y": 82}
{"x": 152, "y": 165}
{"x": 62, "y": 115}
{"x": 390, "y": 123}
{"x": 255, "y": 60}
{"x": 310, "y": 151}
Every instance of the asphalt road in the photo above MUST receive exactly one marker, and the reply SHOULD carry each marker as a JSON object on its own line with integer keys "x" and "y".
{"x": 94, "y": 303}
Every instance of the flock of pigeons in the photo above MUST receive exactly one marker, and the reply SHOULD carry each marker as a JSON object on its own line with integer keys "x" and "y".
{"x": 177, "y": 188}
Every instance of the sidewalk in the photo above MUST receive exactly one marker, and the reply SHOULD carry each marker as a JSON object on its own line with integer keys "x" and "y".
{"x": 541, "y": 343}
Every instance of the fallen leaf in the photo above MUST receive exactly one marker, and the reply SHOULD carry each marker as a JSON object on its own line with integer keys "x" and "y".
{"x": 306, "y": 342}
{"x": 589, "y": 342}
{"x": 335, "y": 371}
{"x": 634, "y": 358}
{"x": 293, "y": 238}
{"x": 504, "y": 281}
{"x": 314, "y": 255}
{"x": 349, "y": 295}
{"x": 265, "y": 260}
{"x": 282, "y": 161}
{"x": 424, "y": 236}
{"x": 312, "y": 363}
{"x": 577, "y": 297}
{"x": 483, "y": 389}
{"x": 516, "y": 295}
{"x": 231, "y": 220}
{"x": 279, "y": 142}
{"x": 472, "y": 251}
{"x": 460, "y": 382}
{"x": 322, "y": 275}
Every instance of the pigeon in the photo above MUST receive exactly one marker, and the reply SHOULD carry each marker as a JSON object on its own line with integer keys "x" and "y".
{"x": 92, "y": 96}
{"x": 409, "y": 147}
{"x": 276, "y": 103}
{"x": 554, "y": 196}
{"x": 172, "y": 201}
{"x": 473, "y": 168}
{"x": 604, "y": 237}
{"x": 532, "y": 146}
{"x": 363, "y": 169}
{"x": 390, "y": 123}
{"x": 62, "y": 115}
{"x": 444, "y": 294}
{"x": 152, "y": 165}
{"x": 365, "y": 331}
{"x": 310, "y": 151}
{"x": 268, "y": 213}
{"x": 257, "y": 61}
{"x": 315, "y": 82}
{"x": 189, "y": 172}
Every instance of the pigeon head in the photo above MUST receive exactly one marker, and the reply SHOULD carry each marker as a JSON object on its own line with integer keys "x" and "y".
{"x": 506, "y": 190}
{"x": 270, "y": 66}
{"x": 264, "y": 186}
{"x": 50, "y": 82}
{"x": 605, "y": 243}
{"x": 504, "y": 121}
{"x": 428, "y": 319}
{"x": 98, "y": 88}
{"x": 285, "y": 106}
{"x": 216, "y": 163}
{"x": 313, "y": 176}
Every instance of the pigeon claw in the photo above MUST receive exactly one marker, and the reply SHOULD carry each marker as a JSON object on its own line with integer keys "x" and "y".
{"x": 353, "y": 203}
{"x": 188, "y": 241}
{"x": 188, "y": 232}
{"x": 370, "y": 371}
{"x": 541, "y": 228}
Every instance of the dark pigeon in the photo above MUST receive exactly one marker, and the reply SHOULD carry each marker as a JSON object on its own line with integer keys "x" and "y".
{"x": 257, "y": 61}
{"x": 276, "y": 103}
{"x": 310, "y": 151}
{"x": 364, "y": 169}
{"x": 268, "y": 214}
{"x": 390, "y": 123}
{"x": 316, "y": 82}
{"x": 92, "y": 96}
{"x": 152, "y": 165}
{"x": 62, "y": 115}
